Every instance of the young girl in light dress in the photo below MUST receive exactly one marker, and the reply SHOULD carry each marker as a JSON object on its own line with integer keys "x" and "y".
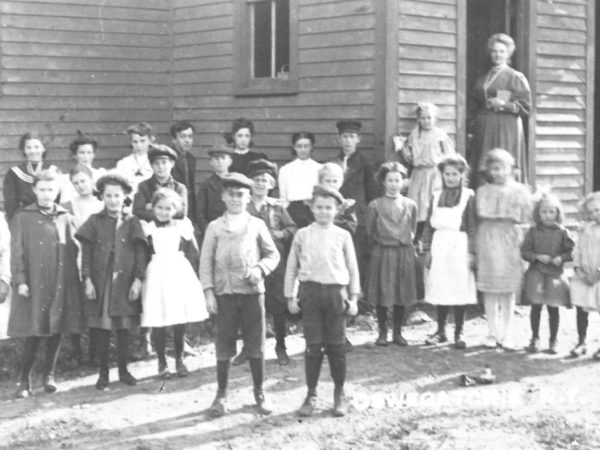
{"x": 425, "y": 147}
{"x": 4, "y": 276}
{"x": 547, "y": 247}
{"x": 449, "y": 242}
{"x": 585, "y": 284}
{"x": 172, "y": 294}
{"x": 391, "y": 224}
{"x": 503, "y": 207}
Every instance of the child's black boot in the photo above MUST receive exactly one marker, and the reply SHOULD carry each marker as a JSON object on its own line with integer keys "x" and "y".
{"x": 382, "y": 339}
{"x": 398, "y": 321}
{"x": 123, "y": 358}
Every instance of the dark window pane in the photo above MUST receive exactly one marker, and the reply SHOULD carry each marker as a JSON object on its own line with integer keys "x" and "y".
{"x": 282, "y": 38}
{"x": 262, "y": 39}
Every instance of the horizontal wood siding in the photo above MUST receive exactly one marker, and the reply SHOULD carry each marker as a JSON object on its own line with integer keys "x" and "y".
{"x": 427, "y": 52}
{"x": 561, "y": 99}
{"x": 336, "y": 76}
{"x": 93, "y": 65}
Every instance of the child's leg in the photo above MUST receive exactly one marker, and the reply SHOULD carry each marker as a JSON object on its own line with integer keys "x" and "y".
{"x": 534, "y": 319}
{"x": 280, "y": 331}
{"x": 507, "y": 311}
{"x": 440, "y": 335}
{"x": 123, "y": 357}
{"x": 101, "y": 344}
{"x": 52, "y": 350}
{"x": 76, "y": 344}
{"x": 554, "y": 320}
{"x": 159, "y": 338}
{"x": 227, "y": 323}
{"x": 582, "y": 324}
{"x": 313, "y": 359}
{"x": 179, "y": 343}
{"x": 382, "y": 312}
{"x": 29, "y": 350}
{"x": 398, "y": 313}
{"x": 491, "y": 314}
{"x": 333, "y": 298}
{"x": 459, "y": 322}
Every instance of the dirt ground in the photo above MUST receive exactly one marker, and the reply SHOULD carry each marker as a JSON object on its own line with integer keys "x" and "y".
{"x": 401, "y": 398}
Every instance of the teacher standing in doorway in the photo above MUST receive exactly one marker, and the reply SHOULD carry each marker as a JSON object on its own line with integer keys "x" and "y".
{"x": 501, "y": 99}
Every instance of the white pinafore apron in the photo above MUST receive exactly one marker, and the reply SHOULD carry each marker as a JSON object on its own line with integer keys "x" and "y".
{"x": 450, "y": 280}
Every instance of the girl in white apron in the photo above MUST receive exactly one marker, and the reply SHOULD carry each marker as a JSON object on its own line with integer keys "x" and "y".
{"x": 449, "y": 238}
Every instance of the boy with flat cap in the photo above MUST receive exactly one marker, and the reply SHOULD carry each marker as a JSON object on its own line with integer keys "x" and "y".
{"x": 162, "y": 160}
{"x": 237, "y": 254}
{"x": 282, "y": 228}
{"x": 359, "y": 184}
{"x": 323, "y": 260}
{"x": 209, "y": 202}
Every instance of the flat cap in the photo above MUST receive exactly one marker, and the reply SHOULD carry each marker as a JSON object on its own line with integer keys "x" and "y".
{"x": 161, "y": 151}
{"x": 220, "y": 149}
{"x": 348, "y": 126}
{"x": 321, "y": 190}
{"x": 260, "y": 166}
{"x": 235, "y": 179}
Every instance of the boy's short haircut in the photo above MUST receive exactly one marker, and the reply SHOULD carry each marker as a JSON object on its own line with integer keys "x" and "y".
{"x": 320, "y": 191}
{"x": 141, "y": 129}
{"x": 80, "y": 168}
{"x": 169, "y": 195}
{"x": 331, "y": 168}
{"x": 499, "y": 155}
{"x": 180, "y": 126}
{"x": 82, "y": 139}
{"x": 50, "y": 174}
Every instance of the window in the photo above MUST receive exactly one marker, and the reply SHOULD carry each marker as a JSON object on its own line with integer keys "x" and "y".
{"x": 266, "y": 47}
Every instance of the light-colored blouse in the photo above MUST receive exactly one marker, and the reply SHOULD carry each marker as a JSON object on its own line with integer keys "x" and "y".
{"x": 297, "y": 179}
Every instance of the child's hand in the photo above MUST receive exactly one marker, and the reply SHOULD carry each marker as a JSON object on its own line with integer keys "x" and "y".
{"x": 90, "y": 290}
{"x": 211, "y": 301}
{"x": 135, "y": 290}
{"x": 148, "y": 206}
{"x": 496, "y": 104}
{"x": 293, "y": 305}
{"x": 557, "y": 261}
{"x": 544, "y": 259}
{"x": 277, "y": 234}
{"x": 399, "y": 142}
{"x": 23, "y": 290}
{"x": 352, "y": 304}
{"x": 255, "y": 275}
{"x": 4, "y": 288}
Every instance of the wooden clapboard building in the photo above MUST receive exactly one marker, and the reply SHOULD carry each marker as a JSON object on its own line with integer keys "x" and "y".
{"x": 289, "y": 65}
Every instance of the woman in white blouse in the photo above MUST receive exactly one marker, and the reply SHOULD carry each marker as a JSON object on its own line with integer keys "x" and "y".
{"x": 297, "y": 179}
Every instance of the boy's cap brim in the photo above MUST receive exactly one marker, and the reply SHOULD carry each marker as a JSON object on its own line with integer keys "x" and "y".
{"x": 161, "y": 151}
{"x": 234, "y": 179}
{"x": 220, "y": 150}
{"x": 325, "y": 191}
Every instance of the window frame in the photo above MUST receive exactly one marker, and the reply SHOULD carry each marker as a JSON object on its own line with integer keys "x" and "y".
{"x": 244, "y": 84}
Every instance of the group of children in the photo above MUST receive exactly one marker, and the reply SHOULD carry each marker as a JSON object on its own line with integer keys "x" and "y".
{"x": 117, "y": 250}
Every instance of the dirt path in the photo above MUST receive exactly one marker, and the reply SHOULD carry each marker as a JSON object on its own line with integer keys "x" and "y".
{"x": 405, "y": 398}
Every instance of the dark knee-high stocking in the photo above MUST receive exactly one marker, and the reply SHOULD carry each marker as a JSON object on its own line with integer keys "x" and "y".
{"x": 553, "y": 319}
{"x": 29, "y": 349}
{"x": 159, "y": 338}
{"x": 102, "y": 346}
{"x": 399, "y": 311}
{"x": 459, "y": 320}
{"x": 257, "y": 368}
{"x": 534, "y": 319}
{"x": 178, "y": 338}
{"x": 442, "y": 317}
{"x": 52, "y": 350}
{"x": 76, "y": 344}
{"x": 336, "y": 354}
{"x": 382, "y": 319}
{"x": 313, "y": 359}
{"x": 223, "y": 375}
{"x": 123, "y": 349}
{"x": 279, "y": 325}
{"x": 582, "y": 324}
